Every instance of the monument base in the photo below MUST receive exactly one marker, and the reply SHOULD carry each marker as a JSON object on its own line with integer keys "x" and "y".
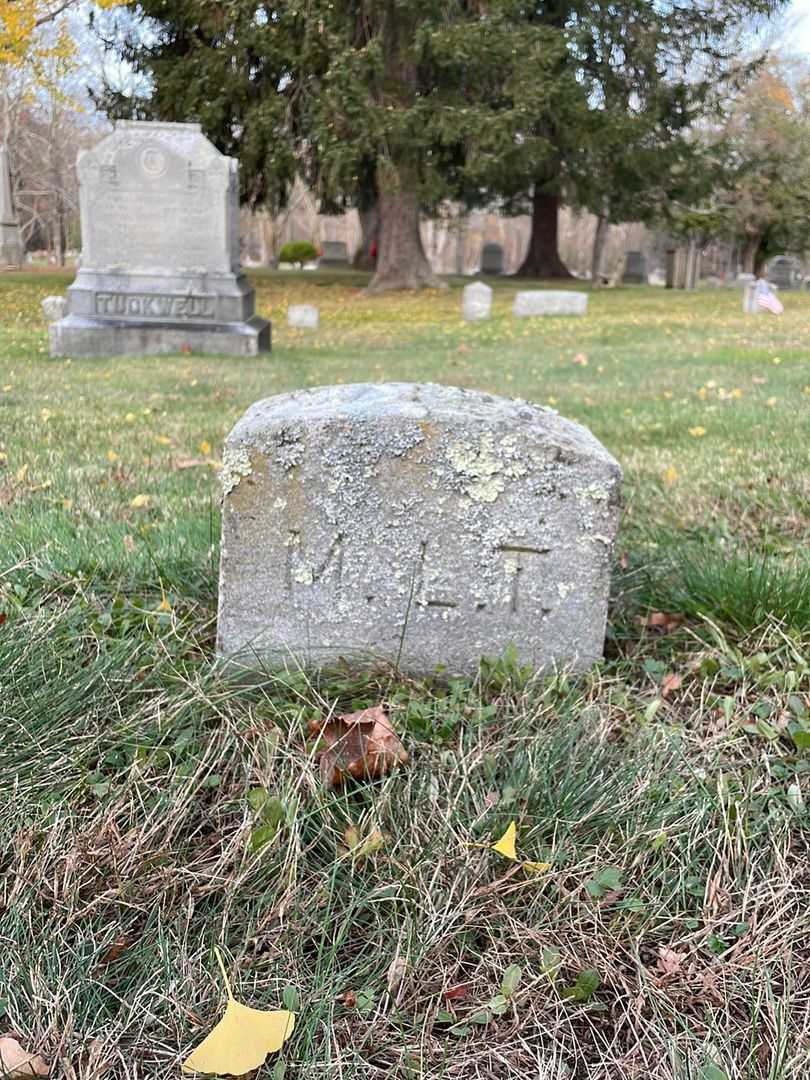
{"x": 76, "y": 335}
{"x": 11, "y": 251}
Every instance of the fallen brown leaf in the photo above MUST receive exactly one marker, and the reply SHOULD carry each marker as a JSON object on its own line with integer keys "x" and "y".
{"x": 669, "y": 961}
{"x": 457, "y": 992}
{"x": 361, "y": 745}
{"x": 664, "y": 622}
{"x": 16, "y": 1062}
{"x": 349, "y": 999}
{"x": 670, "y": 682}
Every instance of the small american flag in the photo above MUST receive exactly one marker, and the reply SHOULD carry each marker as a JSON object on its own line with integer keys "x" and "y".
{"x": 768, "y": 300}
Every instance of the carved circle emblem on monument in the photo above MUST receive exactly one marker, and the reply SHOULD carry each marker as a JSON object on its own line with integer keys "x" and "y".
{"x": 153, "y": 162}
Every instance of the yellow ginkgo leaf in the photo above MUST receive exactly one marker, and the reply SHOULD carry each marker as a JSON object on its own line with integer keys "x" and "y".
{"x": 205, "y": 447}
{"x": 164, "y": 440}
{"x": 670, "y": 475}
{"x": 506, "y": 844}
{"x": 140, "y": 501}
{"x": 164, "y": 605}
{"x": 112, "y": 456}
{"x": 242, "y": 1039}
{"x": 536, "y": 867}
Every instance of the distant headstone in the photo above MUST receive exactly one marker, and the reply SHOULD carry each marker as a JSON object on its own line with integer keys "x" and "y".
{"x": 11, "y": 248}
{"x": 492, "y": 259}
{"x": 159, "y": 269}
{"x": 658, "y": 277}
{"x": 476, "y": 301}
{"x": 334, "y": 253}
{"x": 54, "y": 308}
{"x": 549, "y": 302}
{"x": 439, "y": 525}
{"x": 303, "y": 316}
{"x": 785, "y": 272}
{"x": 742, "y": 281}
{"x": 635, "y": 269}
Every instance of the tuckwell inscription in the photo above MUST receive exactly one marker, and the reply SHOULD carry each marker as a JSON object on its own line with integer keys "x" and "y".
{"x": 156, "y": 305}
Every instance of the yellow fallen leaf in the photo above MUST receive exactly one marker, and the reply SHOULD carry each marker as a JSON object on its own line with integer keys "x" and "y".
{"x": 670, "y": 476}
{"x": 67, "y": 504}
{"x": 21, "y": 474}
{"x": 777, "y": 360}
{"x": 697, "y": 432}
{"x": 112, "y": 456}
{"x": 140, "y": 501}
{"x": 242, "y": 1039}
{"x": 205, "y": 447}
{"x": 164, "y": 440}
{"x": 506, "y": 844}
{"x": 6, "y": 388}
{"x": 16, "y": 1062}
{"x": 771, "y": 402}
{"x": 536, "y": 867}
{"x": 130, "y": 418}
{"x": 164, "y": 605}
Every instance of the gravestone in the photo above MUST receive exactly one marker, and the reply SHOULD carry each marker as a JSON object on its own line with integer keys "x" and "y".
{"x": 303, "y": 316}
{"x": 476, "y": 303}
{"x": 159, "y": 269}
{"x": 533, "y": 302}
{"x": 784, "y": 272}
{"x": 11, "y": 249}
{"x": 334, "y": 253}
{"x": 425, "y": 525}
{"x": 54, "y": 308}
{"x": 742, "y": 281}
{"x": 635, "y": 269}
{"x": 492, "y": 259}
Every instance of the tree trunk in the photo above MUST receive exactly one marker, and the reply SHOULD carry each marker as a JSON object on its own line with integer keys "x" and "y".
{"x": 401, "y": 260}
{"x": 542, "y": 259}
{"x": 599, "y": 238}
{"x": 370, "y": 228}
{"x": 749, "y": 254}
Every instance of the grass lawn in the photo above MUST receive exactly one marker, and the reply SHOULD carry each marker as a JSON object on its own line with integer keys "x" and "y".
{"x": 668, "y": 789}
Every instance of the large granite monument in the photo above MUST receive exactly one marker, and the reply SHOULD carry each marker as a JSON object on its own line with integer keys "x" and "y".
{"x": 426, "y": 525}
{"x": 159, "y": 269}
{"x": 11, "y": 248}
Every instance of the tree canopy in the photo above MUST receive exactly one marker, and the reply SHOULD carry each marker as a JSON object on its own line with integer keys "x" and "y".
{"x": 416, "y": 101}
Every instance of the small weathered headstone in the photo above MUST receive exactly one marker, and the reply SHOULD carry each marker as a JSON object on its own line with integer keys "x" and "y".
{"x": 425, "y": 525}
{"x": 635, "y": 269}
{"x": 492, "y": 259}
{"x": 476, "y": 301}
{"x": 303, "y": 316}
{"x": 159, "y": 269}
{"x": 743, "y": 280}
{"x": 11, "y": 248}
{"x": 334, "y": 253}
{"x": 54, "y": 308}
{"x": 549, "y": 302}
{"x": 785, "y": 272}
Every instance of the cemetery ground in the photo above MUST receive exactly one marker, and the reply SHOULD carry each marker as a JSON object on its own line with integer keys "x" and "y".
{"x": 152, "y": 809}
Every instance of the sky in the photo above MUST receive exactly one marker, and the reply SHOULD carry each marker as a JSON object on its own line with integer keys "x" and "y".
{"x": 797, "y": 35}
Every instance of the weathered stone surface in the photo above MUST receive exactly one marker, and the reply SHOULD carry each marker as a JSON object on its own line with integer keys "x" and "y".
{"x": 334, "y": 253}
{"x": 159, "y": 269}
{"x": 303, "y": 316}
{"x": 54, "y": 307}
{"x": 11, "y": 248}
{"x": 423, "y": 524}
{"x": 635, "y": 269}
{"x": 549, "y": 302}
{"x": 476, "y": 302}
{"x": 492, "y": 259}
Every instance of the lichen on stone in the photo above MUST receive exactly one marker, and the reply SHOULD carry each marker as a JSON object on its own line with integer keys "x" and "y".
{"x": 235, "y": 465}
{"x": 479, "y": 468}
